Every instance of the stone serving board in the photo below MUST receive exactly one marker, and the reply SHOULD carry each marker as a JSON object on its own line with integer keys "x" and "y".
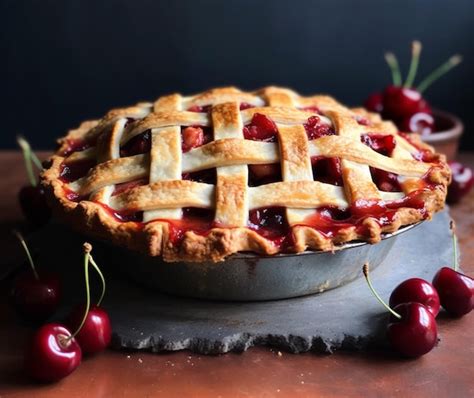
{"x": 348, "y": 317}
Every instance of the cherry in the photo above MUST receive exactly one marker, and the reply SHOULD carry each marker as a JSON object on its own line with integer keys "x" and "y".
{"x": 418, "y": 291}
{"x": 35, "y": 295}
{"x": 462, "y": 183}
{"x": 419, "y": 122}
{"x": 191, "y": 137}
{"x": 52, "y": 354}
{"x": 32, "y": 197}
{"x": 414, "y": 333}
{"x": 96, "y": 333}
{"x": 316, "y": 129}
{"x": 261, "y": 128}
{"x": 455, "y": 289}
{"x": 400, "y": 102}
{"x": 412, "y": 329}
{"x": 374, "y": 103}
{"x": 92, "y": 324}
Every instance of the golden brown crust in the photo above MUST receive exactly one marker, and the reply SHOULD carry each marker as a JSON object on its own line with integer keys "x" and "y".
{"x": 230, "y": 153}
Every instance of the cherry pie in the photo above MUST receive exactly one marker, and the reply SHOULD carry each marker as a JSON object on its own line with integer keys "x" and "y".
{"x": 201, "y": 177}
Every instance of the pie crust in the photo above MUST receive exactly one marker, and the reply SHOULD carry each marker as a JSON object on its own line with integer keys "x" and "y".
{"x": 92, "y": 204}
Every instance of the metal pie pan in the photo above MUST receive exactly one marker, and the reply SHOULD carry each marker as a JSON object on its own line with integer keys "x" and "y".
{"x": 250, "y": 277}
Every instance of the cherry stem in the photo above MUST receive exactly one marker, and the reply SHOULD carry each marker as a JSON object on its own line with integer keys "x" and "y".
{"x": 365, "y": 270}
{"x": 415, "y": 58}
{"x": 452, "y": 226}
{"x": 392, "y": 62}
{"x": 438, "y": 72}
{"x": 25, "y": 147}
{"x": 87, "y": 250}
{"x": 28, "y": 254}
{"x": 96, "y": 267}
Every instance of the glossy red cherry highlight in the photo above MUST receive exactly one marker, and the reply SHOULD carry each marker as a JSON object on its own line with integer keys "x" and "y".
{"x": 462, "y": 183}
{"x": 456, "y": 290}
{"x": 412, "y": 329}
{"x": 52, "y": 353}
{"x": 92, "y": 323}
{"x": 416, "y": 290}
{"x": 35, "y": 294}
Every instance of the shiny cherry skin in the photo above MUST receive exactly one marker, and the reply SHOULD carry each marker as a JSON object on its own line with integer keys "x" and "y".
{"x": 462, "y": 183}
{"x": 420, "y": 122}
{"x": 36, "y": 299}
{"x": 416, "y": 290}
{"x": 96, "y": 333}
{"x": 400, "y": 102}
{"x": 456, "y": 291}
{"x": 416, "y": 333}
{"x": 33, "y": 205}
{"x": 51, "y": 355}
{"x": 374, "y": 103}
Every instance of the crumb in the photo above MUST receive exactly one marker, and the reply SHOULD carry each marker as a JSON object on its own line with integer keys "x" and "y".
{"x": 140, "y": 360}
{"x": 128, "y": 356}
{"x": 279, "y": 354}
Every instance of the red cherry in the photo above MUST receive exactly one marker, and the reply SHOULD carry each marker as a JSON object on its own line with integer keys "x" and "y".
{"x": 33, "y": 204}
{"x": 418, "y": 291}
{"x": 35, "y": 295}
{"x": 261, "y": 128}
{"x": 415, "y": 333}
{"x": 36, "y": 298}
{"x": 374, "y": 103}
{"x": 400, "y": 102}
{"x": 191, "y": 137}
{"x": 412, "y": 329}
{"x": 96, "y": 333}
{"x": 315, "y": 128}
{"x": 455, "y": 290}
{"x": 462, "y": 183}
{"x": 420, "y": 122}
{"x": 52, "y": 353}
{"x": 266, "y": 172}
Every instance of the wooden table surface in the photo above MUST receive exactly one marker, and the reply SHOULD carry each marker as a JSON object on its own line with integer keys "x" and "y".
{"x": 259, "y": 372}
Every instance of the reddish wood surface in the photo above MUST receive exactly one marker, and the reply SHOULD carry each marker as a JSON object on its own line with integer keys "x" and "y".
{"x": 259, "y": 372}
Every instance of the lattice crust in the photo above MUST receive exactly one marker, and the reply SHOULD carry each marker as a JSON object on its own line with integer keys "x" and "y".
{"x": 166, "y": 194}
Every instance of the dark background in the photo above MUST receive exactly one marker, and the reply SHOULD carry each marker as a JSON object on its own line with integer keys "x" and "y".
{"x": 64, "y": 61}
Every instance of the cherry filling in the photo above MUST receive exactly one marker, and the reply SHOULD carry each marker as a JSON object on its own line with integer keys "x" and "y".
{"x": 200, "y": 221}
{"x": 75, "y": 145}
{"x": 261, "y": 128}
{"x": 73, "y": 171}
{"x": 137, "y": 145}
{"x": 200, "y": 109}
{"x": 208, "y": 176}
{"x": 327, "y": 170}
{"x": 246, "y": 105}
{"x": 316, "y": 128}
{"x": 261, "y": 174}
{"x": 194, "y": 136}
{"x": 381, "y": 143}
{"x": 385, "y": 181}
{"x": 362, "y": 121}
{"x": 271, "y": 223}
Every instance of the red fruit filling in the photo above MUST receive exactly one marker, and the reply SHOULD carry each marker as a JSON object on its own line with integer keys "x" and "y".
{"x": 73, "y": 171}
{"x": 315, "y": 128}
{"x": 327, "y": 170}
{"x": 245, "y": 105}
{"x": 385, "y": 181}
{"x": 362, "y": 121}
{"x": 271, "y": 223}
{"x": 261, "y": 128}
{"x": 208, "y": 176}
{"x": 200, "y": 109}
{"x": 261, "y": 174}
{"x": 381, "y": 143}
{"x": 137, "y": 145}
{"x": 194, "y": 136}
{"x": 200, "y": 221}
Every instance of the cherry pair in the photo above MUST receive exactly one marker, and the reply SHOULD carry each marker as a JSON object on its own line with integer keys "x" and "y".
{"x": 415, "y": 303}
{"x": 32, "y": 197}
{"x": 54, "y": 352}
{"x": 404, "y": 104}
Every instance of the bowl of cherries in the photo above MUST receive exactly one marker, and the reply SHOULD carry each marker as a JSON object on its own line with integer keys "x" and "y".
{"x": 405, "y": 104}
